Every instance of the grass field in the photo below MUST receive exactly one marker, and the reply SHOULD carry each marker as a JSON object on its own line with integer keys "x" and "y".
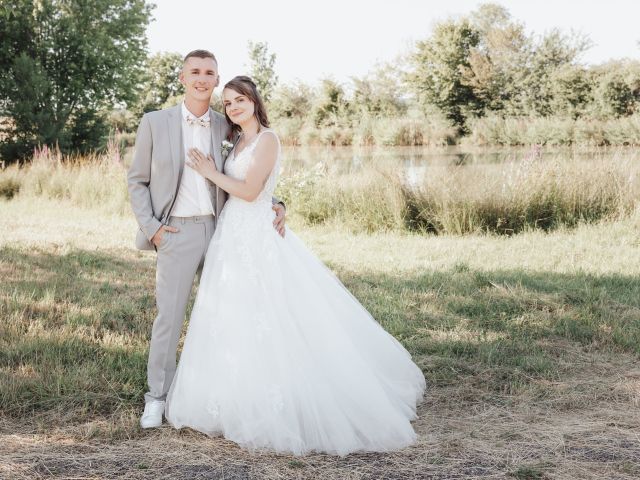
{"x": 529, "y": 343}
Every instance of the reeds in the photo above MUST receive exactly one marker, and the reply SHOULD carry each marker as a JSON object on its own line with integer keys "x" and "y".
{"x": 93, "y": 181}
{"x": 554, "y": 131}
{"x": 504, "y": 198}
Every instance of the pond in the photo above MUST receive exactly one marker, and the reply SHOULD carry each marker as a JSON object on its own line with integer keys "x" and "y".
{"x": 350, "y": 159}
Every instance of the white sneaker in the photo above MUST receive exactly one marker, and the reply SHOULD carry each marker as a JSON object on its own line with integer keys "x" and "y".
{"x": 152, "y": 416}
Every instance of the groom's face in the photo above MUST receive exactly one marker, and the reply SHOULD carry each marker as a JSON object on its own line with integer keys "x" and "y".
{"x": 199, "y": 77}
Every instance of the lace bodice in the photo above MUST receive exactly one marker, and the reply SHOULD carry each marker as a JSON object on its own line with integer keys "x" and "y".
{"x": 237, "y": 167}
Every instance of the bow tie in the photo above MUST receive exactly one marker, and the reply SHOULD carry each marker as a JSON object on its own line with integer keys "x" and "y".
{"x": 198, "y": 121}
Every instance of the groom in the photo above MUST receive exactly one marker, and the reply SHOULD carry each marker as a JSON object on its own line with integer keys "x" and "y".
{"x": 176, "y": 210}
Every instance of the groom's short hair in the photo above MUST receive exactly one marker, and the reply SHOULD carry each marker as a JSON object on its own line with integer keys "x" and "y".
{"x": 200, "y": 54}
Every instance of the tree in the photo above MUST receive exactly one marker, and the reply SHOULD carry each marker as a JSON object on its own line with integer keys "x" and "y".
{"x": 438, "y": 70}
{"x": 161, "y": 81}
{"x": 553, "y": 52}
{"x": 262, "y": 71}
{"x": 571, "y": 91}
{"x": 379, "y": 92}
{"x": 497, "y": 63}
{"x": 330, "y": 105}
{"x": 291, "y": 101}
{"x": 613, "y": 96}
{"x": 63, "y": 62}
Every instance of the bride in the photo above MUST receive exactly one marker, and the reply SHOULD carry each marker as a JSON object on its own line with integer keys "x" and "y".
{"x": 278, "y": 354}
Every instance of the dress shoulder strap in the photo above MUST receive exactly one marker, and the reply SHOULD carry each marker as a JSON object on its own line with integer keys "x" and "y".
{"x": 267, "y": 130}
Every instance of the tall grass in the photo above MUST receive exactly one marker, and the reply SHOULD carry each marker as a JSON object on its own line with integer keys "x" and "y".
{"x": 531, "y": 194}
{"x": 501, "y": 198}
{"x": 370, "y": 131}
{"x": 495, "y": 130}
{"x": 97, "y": 180}
{"x": 435, "y": 130}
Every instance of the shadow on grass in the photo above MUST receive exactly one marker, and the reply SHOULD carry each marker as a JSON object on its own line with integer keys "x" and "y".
{"x": 74, "y": 331}
{"x": 504, "y": 327}
{"x": 75, "y": 328}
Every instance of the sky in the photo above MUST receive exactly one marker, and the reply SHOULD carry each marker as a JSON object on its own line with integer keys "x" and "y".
{"x": 346, "y": 38}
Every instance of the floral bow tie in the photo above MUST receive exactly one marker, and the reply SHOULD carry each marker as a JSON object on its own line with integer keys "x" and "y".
{"x": 198, "y": 121}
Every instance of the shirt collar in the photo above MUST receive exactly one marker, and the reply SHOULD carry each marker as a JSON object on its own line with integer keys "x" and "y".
{"x": 186, "y": 113}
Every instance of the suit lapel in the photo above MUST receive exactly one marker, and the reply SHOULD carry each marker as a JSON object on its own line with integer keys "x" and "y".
{"x": 175, "y": 139}
{"x": 216, "y": 141}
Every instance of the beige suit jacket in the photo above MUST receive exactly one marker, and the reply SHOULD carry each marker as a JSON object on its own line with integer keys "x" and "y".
{"x": 156, "y": 168}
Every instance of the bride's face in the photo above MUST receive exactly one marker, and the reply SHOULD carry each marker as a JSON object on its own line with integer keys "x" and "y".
{"x": 239, "y": 107}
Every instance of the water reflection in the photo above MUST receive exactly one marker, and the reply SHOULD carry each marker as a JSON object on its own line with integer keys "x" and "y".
{"x": 351, "y": 159}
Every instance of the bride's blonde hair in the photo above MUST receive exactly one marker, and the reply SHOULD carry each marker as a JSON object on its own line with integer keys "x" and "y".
{"x": 245, "y": 86}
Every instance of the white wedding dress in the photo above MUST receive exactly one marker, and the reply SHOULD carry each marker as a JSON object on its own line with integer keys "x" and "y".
{"x": 278, "y": 354}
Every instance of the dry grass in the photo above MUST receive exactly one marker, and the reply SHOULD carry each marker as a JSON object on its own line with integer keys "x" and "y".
{"x": 495, "y": 130}
{"x": 516, "y": 336}
{"x": 584, "y": 426}
{"x": 504, "y": 198}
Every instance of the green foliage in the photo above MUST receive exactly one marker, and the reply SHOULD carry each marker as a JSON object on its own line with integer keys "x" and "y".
{"x": 503, "y": 199}
{"x": 9, "y": 186}
{"x": 261, "y": 68}
{"x": 161, "y": 81}
{"x": 379, "y": 93}
{"x": 486, "y": 64}
{"x": 62, "y": 63}
{"x": 571, "y": 91}
{"x": 478, "y": 79}
{"x": 438, "y": 66}
{"x": 95, "y": 181}
{"x": 330, "y": 105}
{"x": 498, "y": 198}
{"x": 554, "y": 51}
{"x": 496, "y": 63}
{"x": 617, "y": 92}
{"x": 291, "y": 101}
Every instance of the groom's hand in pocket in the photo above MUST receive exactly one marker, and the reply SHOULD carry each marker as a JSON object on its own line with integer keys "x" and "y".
{"x": 157, "y": 238}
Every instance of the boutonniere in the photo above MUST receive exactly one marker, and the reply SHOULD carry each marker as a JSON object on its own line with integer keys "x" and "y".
{"x": 226, "y": 148}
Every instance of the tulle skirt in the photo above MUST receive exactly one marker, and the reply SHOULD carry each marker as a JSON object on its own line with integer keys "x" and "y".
{"x": 280, "y": 356}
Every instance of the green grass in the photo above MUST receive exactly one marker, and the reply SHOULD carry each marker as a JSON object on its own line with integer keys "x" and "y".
{"x": 523, "y": 340}
{"x": 70, "y": 314}
{"x": 73, "y": 331}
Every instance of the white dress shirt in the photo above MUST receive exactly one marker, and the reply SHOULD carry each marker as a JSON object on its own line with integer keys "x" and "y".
{"x": 193, "y": 195}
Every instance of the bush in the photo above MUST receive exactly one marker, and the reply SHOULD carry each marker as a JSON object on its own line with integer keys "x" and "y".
{"x": 9, "y": 187}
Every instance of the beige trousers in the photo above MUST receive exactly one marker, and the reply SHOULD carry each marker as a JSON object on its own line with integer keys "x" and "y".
{"x": 180, "y": 258}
